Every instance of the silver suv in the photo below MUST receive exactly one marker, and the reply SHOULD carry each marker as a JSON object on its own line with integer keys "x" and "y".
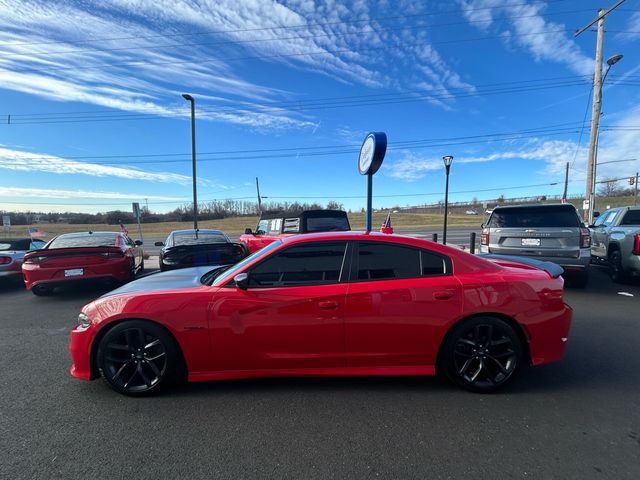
{"x": 553, "y": 233}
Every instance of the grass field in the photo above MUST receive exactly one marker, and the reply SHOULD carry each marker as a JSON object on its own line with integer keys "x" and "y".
{"x": 236, "y": 225}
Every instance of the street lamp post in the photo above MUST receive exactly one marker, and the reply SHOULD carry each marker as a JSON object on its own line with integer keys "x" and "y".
{"x": 447, "y": 159}
{"x": 188, "y": 97}
{"x": 593, "y": 144}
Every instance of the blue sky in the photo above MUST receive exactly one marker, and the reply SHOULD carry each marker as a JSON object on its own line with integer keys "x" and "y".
{"x": 91, "y": 116}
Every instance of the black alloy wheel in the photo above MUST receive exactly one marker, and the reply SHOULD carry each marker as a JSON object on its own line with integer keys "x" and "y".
{"x": 138, "y": 358}
{"x": 481, "y": 354}
{"x": 616, "y": 272}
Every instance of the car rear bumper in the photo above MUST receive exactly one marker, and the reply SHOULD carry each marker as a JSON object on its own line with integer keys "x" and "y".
{"x": 55, "y": 276}
{"x": 580, "y": 262}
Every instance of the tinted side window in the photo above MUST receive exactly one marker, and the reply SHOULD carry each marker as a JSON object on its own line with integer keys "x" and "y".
{"x": 433, "y": 264}
{"x": 327, "y": 224}
{"x": 301, "y": 265}
{"x": 383, "y": 261}
{"x": 632, "y": 217}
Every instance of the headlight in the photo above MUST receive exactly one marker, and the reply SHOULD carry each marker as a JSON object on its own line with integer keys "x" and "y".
{"x": 83, "y": 321}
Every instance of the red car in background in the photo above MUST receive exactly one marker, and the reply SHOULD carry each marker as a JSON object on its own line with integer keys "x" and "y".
{"x": 275, "y": 225}
{"x": 80, "y": 257}
{"x": 328, "y": 304}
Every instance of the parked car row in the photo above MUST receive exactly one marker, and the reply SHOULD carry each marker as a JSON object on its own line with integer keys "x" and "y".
{"x": 557, "y": 234}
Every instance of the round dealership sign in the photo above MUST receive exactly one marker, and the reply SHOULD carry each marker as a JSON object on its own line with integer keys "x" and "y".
{"x": 372, "y": 153}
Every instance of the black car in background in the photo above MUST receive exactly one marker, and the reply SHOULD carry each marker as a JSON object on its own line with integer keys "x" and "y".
{"x": 192, "y": 248}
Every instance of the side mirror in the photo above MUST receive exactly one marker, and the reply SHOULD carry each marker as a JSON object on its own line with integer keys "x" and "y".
{"x": 138, "y": 243}
{"x": 596, "y": 214}
{"x": 159, "y": 244}
{"x": 241, "y": 280}
{"x": 247, "y": 231}
{"x": 483, "y": 225}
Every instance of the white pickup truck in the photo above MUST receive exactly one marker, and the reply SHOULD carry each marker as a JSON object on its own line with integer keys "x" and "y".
{"x": 615, "y": 240}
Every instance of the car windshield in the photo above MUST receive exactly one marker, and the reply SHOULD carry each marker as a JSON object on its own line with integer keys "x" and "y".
{"x": 238, "y": 266}
{"x": 534, "y": 217}
{"x": 88, "y": 240}
{"x": 180, "y": 239}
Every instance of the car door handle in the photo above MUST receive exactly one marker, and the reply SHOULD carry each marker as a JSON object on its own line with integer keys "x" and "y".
{"x": 328, "y": 305}
{"x": 442, "y": 294}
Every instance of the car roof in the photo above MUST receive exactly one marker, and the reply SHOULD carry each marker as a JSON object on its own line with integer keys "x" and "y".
{"x": 200, "y": 230}
{"x": 84, "y": 234}
{"x": 534, "y": 205}
{"x": 18, "y": 239}
{"x": 299, "y": 213}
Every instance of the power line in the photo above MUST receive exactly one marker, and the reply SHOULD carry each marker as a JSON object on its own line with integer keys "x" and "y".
{"x": 275, "y": 39}
{"x": 284, "y": 27}
{"x": 50, "y": 68}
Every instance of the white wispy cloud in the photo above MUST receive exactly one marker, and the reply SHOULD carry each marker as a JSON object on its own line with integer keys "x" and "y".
{"x": 619, "y": 142}
{"x": 26, "y": 161}
{"x": 137, "y": 76}
{"x": 22, "y": 193}
{"x": 632, "y": 30}
{"x": 525, "y": 27}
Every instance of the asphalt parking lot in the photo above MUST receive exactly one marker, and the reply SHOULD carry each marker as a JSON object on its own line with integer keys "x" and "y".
{"x": 579, "y": 418}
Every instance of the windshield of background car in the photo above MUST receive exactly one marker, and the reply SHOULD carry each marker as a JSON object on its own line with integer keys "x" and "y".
{"x": 534, "y": 217}
{"x": 203, "y": 238}
{"x": 21, "y": 244}
{"x": 88, "y": 240}
{"x": 327, "y": 224}
{"x": 240, "y": 265}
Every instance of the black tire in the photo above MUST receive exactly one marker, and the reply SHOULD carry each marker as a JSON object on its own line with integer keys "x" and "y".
{"x": 41, "y": 290}
{"x": 616, "y": 271}
{"x": 481, "y": 354}
{"x": 138, "y": 358}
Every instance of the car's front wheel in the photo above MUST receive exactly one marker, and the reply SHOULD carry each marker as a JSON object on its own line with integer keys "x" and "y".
{"x": 481, "y": 354}
{"x": 138, "y": 358}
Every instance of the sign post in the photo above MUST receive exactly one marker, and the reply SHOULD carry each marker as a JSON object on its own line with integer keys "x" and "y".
{"x": 136, "y": 215}
{"x": 370, "y": 159}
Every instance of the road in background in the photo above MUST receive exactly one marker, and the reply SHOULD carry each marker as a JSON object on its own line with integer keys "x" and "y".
{"x": 578, "y": 418}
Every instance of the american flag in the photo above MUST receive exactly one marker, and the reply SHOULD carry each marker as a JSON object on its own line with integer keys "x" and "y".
{"x": 36, "y": 232}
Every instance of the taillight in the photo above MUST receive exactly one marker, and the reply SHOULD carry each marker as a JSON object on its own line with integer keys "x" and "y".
{"x": 484, "y": 238}
{"x": 34, "y": 260}
{"x": 112, "y": 254}
{"x": 636, "y": 244}
{"x": 5, "y": 260}
{"x": 585, "y": 238}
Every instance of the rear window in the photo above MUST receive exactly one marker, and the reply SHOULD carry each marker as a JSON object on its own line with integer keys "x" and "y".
{"x": 20, "y": 244}
{"x": 327, "y": 224}
{"x": 88, "y": 240}
{"x": 632, "y": 217}
{"x": 535, "y": 217}
{"x": 203, "y": 238}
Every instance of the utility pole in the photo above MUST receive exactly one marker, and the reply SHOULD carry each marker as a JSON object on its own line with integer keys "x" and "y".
{"x": 566, "y": 183}
{"x": 635, "y": 194}
{"x": 259, "y": 199}
{"x": 595, "y": 111}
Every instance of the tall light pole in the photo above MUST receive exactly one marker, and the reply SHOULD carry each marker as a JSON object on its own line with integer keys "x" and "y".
{"x": 447, "y": 159}
{"x": 188, "y": 97}
{"x": 595, "y": 112}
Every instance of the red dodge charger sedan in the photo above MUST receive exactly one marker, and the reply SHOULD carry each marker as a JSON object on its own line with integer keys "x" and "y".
{"x": 73, "y": 257}
{"x": 328, "y": 304}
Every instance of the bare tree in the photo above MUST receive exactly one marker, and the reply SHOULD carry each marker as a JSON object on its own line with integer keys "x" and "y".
{"x": 609, "y": 188}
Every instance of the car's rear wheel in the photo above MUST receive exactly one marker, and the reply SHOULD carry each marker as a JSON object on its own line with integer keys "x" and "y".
{"x": 616, "y": 272}
{"x": 41, "y": 290}
{"x": 481, "y": 354}
{"x": 138, "y": 358}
